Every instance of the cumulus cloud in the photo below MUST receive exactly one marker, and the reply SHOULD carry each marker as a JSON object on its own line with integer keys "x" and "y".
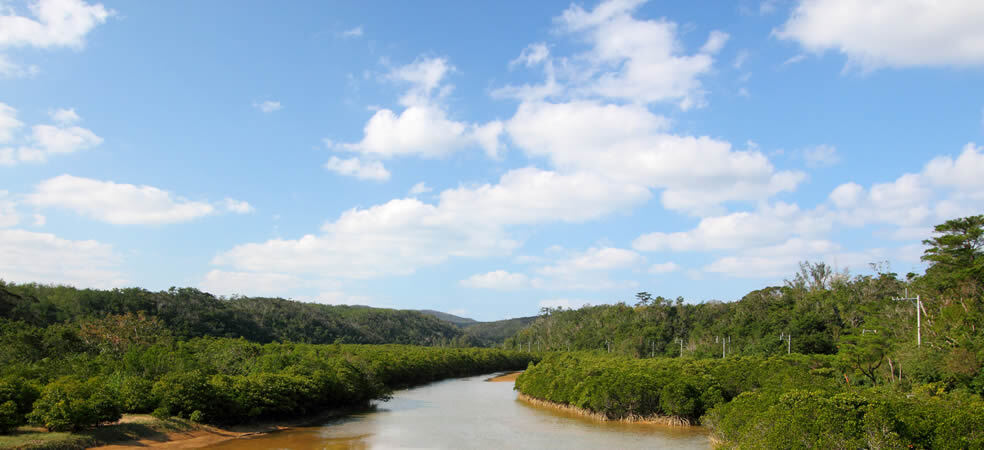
{"x": 54, "y": 23}
{"x": 419, "y": 188}
{"x": 11, "y": 69}
{"x": 821, "y": 156}
{"x": 744, "y": 229}
{"x": 773, "y": 261}
{"x": 118, "y": 203}
{"x": 26, "y": 256}
{"x": 353, "y": 32}
{"x": 249, "y": 284}
{"x": 594, "y": 259}
{"x": 8, "y": 210}
{"x": 881, "y": 33}
{"x": 8, "y": 122}
{"x": 65, "y": 116}
{"x": 532, "y": 55}
{"x": 639, "y": 60}
{"x": 237, "y": 206}
{"x": 629, "y": 143}
{"x": 498, "y": 279}
{"x": 666, "y": 267}
{"x": 354, "y": 167}
{"x": 401, "y": 235}
{"x": 564, "y": 303}
{"x": 44, "y": 141}
{"x": 424, "y": 127}
{"x": 268, "y": 106}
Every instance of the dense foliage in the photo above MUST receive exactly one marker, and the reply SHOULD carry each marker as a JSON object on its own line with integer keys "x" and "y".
{"x": 867, "y": 382}
{"x": 66, "y": 377}
{"x": 620, "y": 387}
{"x": 188, "y": 313}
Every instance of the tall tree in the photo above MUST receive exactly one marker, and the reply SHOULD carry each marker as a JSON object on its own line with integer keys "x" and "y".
{"x": 956, "y": 255}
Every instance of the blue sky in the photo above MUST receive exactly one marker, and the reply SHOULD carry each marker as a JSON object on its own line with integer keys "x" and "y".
{"x": 482, "y": 159}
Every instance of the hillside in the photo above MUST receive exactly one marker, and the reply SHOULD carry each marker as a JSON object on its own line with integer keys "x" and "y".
{"x": 188, "y": 313}
{"x": 459, "y": 321}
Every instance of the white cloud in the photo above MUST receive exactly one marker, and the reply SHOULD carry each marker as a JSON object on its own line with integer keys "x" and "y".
{"x": 593, "y": 260}
{"x": 638, "y": 60}
{"x": 8, "y": 122}
{"x": 65, "y": 116}
{"x": 353, "y": 33}
{"x": 11, "y": 69}
{"x": 44, "y": 140}
{"x": 773, "y": 261}
{"x": 628, "y": 143}
{"x": 741, "y": 59}
{"x": 532, "y": 55}
{"x": 54, "y": 23}
{"x": 39, "y": 220}
{"x": 27, "y": 256}
{"x": 715, "y": 42}
{"x": 565, "y": 303}
{"x": 666, "y": 267}
{"x": 767, "y": 225}
{"x": 342, "y": 298}
{"x": 498, "y": 279}
{"x": 419, "y": 188}
{"x": 249, "y": 284}
{"x": 268, "y": 106}
{"x": 529, "y": 195}
{"x": 8, "y": 211}
{"x": 767, "y": 7}
{"x": 399, "y": 236}
{"x": 964, "y": 173}
{"x": 237, "y": 206}
{"x": 794, "y": 59}
{"x": 423, "y": 128}
{"x": 52, "y": 139}
{"x": 354, "y": 167}
{"x": 882, "y": 33}
{"x": 821, "y": 156}
{"x": 116, "y": 203}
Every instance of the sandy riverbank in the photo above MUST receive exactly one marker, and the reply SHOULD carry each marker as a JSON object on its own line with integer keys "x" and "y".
{"x": 509, "y": 377}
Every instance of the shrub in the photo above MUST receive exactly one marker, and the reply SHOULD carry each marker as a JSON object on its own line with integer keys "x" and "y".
{"x": 17, "y": 394}
{"x": 136, "y": 395}
{"x": 9, "y": 419}
{"x": 70, "y": 404}
{"x": 680, "y": 399}
{"x": 183, "y": 393}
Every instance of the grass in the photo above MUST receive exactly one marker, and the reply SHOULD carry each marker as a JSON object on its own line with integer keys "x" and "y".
{"x": 131, "y": 427}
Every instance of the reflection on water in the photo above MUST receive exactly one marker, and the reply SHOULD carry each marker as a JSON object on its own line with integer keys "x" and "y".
{"x": 470, "y": 413}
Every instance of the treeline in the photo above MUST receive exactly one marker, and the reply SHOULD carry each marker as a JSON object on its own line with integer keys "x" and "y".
{"x": 67, "y": 377}
{"x": 189, "y": 313}
{"x": 858, "y": 375}
{"x": 818, "y": 311}
{"x": 793, "y": 401}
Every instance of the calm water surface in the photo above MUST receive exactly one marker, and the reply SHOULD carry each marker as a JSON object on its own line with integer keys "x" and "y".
{"x": 470, "y": 413}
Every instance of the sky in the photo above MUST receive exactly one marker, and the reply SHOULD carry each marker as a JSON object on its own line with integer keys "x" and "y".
{"x": 486, "y": 159}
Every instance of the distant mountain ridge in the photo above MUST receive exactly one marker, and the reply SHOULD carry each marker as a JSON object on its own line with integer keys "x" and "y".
{"x": 459, "y": 321}
{"x": 483, "y": 334}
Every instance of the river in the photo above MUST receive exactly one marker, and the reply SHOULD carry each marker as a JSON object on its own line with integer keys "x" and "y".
{"x": 470, "y": 413}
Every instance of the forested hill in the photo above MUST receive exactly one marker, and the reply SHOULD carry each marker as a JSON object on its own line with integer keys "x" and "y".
{"x": 188, "y": 312}
{"x": 459, "y": 321}
{"x": 825, "y": 312}
{"x": 483, "y": 334}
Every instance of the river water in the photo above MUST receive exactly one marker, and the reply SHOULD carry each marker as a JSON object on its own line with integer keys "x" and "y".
{"x": 470, "y": 413}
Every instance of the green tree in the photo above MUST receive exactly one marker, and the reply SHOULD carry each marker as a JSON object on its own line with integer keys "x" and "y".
{"x": 956, "y": 255}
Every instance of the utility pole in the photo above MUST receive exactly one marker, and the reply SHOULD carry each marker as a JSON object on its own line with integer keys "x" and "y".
{"x": 680, "y": 340}
{"x": 789, "y": 341}
{"x": 918, "y": 303}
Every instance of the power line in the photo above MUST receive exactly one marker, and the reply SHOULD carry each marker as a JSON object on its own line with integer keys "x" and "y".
{"x": 918, "y": 304}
